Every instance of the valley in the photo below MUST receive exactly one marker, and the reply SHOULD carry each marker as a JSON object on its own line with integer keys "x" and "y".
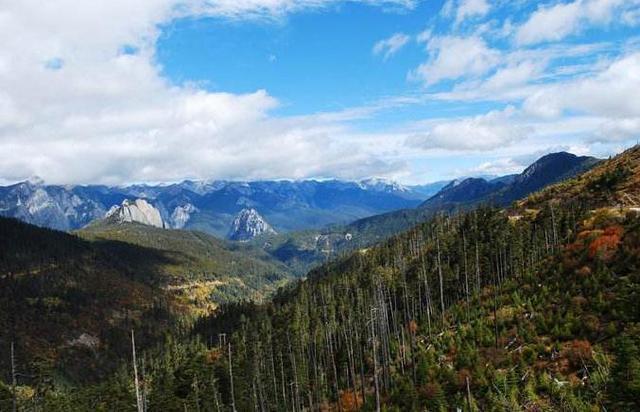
{"x": 536, "y": 292}
{"x": 319, "y": 206}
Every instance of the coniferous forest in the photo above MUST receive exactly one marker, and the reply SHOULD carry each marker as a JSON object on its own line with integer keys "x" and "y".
{"x": 529, "y": 308}
{"x": 319, "y": 206}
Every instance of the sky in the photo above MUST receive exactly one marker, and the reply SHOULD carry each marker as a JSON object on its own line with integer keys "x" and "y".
{"x": 118, "y": 92}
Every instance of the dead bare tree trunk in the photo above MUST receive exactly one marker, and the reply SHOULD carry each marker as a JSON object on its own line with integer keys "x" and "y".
{"x": 441, "y": 282}
{"x": 135, "y": 373}
{"x": 233, "y": 396}
{"x": 375, "y": 361}
{"x": 14, "y": 380}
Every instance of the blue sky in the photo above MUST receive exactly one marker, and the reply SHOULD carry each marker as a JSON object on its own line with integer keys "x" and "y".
{"x": 416, "y": 91}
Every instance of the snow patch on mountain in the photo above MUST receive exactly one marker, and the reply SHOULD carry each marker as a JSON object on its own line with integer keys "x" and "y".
{"x": 382, "y": 185}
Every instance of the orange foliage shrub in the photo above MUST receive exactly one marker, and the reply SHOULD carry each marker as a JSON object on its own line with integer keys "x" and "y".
{"x": 579, "y": 351}
{"x": 212, "y": 355}
{"x": 606, "y": 244}
{"x": 350, "y": 401}
{"x": 584, "y": 271}
{"x": 413, "y": 327}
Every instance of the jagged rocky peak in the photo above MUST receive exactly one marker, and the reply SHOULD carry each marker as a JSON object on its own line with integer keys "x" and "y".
{"x": 138, "y": 211}
{"x": 249, "y": 224}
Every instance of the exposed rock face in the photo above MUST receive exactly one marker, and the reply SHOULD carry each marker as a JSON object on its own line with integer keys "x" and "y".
{"x": 181, "y": 215}
{"x": 247, "y": 225}
{"x": 49, "y": 206}
{"x": 288, "y": 205}
{"x": 139, "y": 211}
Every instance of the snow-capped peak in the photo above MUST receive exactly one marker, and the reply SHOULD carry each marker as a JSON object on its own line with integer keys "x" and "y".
{"x": 379, "y": 184}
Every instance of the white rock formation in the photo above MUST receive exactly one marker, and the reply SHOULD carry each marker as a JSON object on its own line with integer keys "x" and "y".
{"x": 247, "y": 225}
{"x": 181, "y": 215}
{"x": 139, "y": 211}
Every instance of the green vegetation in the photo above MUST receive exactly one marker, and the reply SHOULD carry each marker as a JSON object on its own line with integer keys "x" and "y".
{"x": 205, "y": 270}
{"x": 528, "y": 309}
{"x": 68, "y": 304}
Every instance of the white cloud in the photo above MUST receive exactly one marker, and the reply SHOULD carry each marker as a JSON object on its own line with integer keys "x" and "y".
{"x": 610, "y": 93}
{"x": 103, "y": 116}
{"x": 470, "y": 9}
{"x": 455, "y": 57}
{"x": 553, "y": 23}
{"x": 631, "y": 17}
{"x": 499, "y": 167}
{"x": 489, "y": 131}
{"x": 243, "y": 9}
{"x": 390, "y": 46}
{"x": 618, "y": 130}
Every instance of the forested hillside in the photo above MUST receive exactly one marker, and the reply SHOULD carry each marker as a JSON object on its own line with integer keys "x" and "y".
{"x": 307, "y": 249}
{"x": 533, "y": 308}
{"x": 204, "y": 271}
{"x": 68, "y": 305}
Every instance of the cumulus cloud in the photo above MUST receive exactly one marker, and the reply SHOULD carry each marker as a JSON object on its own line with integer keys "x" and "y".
{"x": 489, "y": 131}
{"x": 452, "y": 57}
{"x": 610, "y": 93}
{"x": 499, "y": 167}
{"x": 618, "y": 130}
{"x": 83, "y": 100}
{"x": 553, "y": 23}
{"x": 471, "y": 8}
{"x": 390, "y": 46}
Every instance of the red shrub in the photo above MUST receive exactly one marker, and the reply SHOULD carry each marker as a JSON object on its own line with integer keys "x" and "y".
{"x": 605, "y": 245}
{"x": 579, "y": 352}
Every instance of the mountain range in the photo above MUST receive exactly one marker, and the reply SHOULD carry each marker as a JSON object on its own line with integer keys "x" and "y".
{"x": 286, "y": 206}
{"x": 538, "y": 297}
{"x": 210, "y": 206}
{"x": 308, "y": 248}
{"x": 502, "y": 191}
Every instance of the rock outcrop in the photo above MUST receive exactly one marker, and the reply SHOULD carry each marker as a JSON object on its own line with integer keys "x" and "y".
{"x": 247, "y": 225}
{"x": 138, "y": 211}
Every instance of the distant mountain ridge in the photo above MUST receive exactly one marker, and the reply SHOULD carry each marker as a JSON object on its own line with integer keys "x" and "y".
{"x": 311, "y": 247}
{"x": 545, "y": 171}
{"x": 211, "y": 206}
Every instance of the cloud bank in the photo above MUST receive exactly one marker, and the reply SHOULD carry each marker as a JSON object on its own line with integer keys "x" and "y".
{"x": 82, "y": 99}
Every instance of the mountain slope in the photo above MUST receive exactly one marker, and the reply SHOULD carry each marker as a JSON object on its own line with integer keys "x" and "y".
{"x": 473, "y": 311}
{"x": 69, "y": 304}
{"x": 545, "y": 171}
{"x": 309, "y": 248}
{"x": 205, "y": 271}
{"x": 615, "y": 182}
